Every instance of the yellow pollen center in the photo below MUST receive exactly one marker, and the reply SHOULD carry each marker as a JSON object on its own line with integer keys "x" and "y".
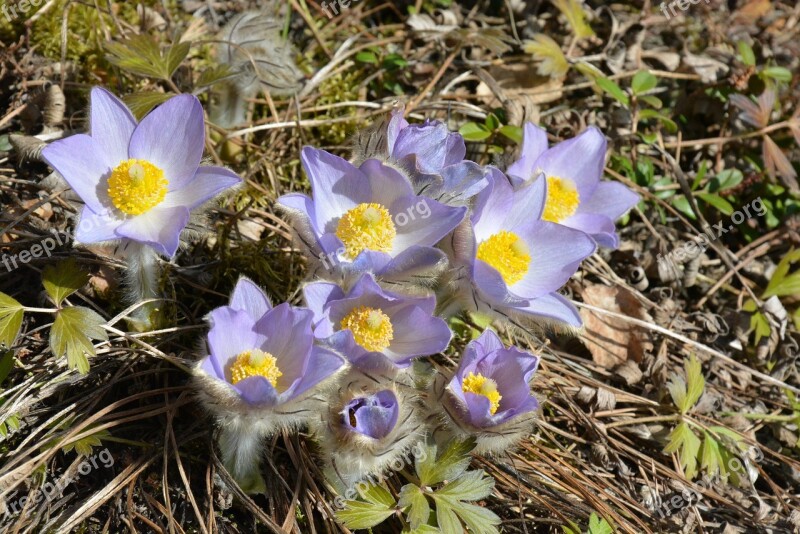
{"x": 136, "y": 186}
{"x": 562, "y": 199}
{"x": 507, "y": 253}
{"x": 366, "y": 227}
{"x": 480, "y": 385}
{"x": 255, "y": 363}
{"x": 371, "y": 328}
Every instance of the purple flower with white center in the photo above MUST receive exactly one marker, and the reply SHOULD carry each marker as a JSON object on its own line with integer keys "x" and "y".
{"x": 514, "y": 261}
{"x": 491, "y": 384}
{"x": 266, "y": 356}
{"x": 138, "y": 182}
{"x": 374, "y": 416}
{"x": 434, "y": 159}
{"x": 373, "y": 328}
{"x": 576, "y": 197}
{"x": 367, "y": 218}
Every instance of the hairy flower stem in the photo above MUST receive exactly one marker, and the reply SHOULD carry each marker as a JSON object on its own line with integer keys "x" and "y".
{"x": 142, "y": 282}
{"x": 241, "y": 445}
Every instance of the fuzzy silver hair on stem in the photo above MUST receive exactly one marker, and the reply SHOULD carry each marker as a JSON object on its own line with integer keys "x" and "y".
{"x": 259, "y": 58}
{"x": 369, "y": 425}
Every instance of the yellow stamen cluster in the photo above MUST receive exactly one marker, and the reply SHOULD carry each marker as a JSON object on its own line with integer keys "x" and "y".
{"x": 136, "y": 186}
{"x": 480, "y": 385}
{"x": 255, "y": 363}
{"x": 366, "y": 227}
{"x": 562, "y": 199}
{"x": 371, "y": 328}
{"x": 507, "y": 253}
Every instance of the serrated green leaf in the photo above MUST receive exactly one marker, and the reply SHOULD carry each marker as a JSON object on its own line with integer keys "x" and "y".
{"x": 479, "y": 520}
{"x": 423, "y": 529}
{"x": 710, "y": 458}
{"x": 419, "y": 509}
{"x": 360, "y": 514}
{"x": 746, "y": 54}
{"x": 684, "y": 441}
{"x": 611, "y": 87}
{"x": 642, "y": 82}
{"x": 63, "y": 279}
{"x": 695, "y": 381}
{"x": 11, "y": 313}
{"x": 377, "y": 495}
{"x": 141, "y": 55}
{"x": 449, "y": 465}
{"x": 598, "y": 525}
{"x": 84, "y": 446}
{"x": 175, "y": 56}
{"x": 760, "y": 326}
{"x": 677, "y": 390}
{"x": 471, "y": 486}
{"x": 473, "y": 131}
{"x": 576, "y": 17}
{"x": 71, "y": 333}
{"x": 447, "y": 519}
{"x": 141, "y": 104}
{"x": 214, "y": 74}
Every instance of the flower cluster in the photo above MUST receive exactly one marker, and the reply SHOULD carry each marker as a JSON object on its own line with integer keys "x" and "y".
{"x": 405, "y": 235}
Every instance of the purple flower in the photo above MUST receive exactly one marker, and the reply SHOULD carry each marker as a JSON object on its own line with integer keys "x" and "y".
{"x": 434, "y": 158}
{"x": 575, "y": 195}
{"x": 374, "y": 328}
{"x": 516, "y": 262}
{"x": 374, "y": 416}
{"x": 491, "y": 384}
{"x": 138, "y": 181}
{"x": 265, "y": 355}
{"x": 367, "y": 218}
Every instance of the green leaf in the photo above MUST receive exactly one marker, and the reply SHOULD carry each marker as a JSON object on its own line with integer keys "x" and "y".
{"x": 212, "y": 75}
{"x": 576, "y": 17}
{"x": 84, "y": 446}
{"x": 359, "y": 514}
{"x": 777, "y": 73}
{"x": 668, "y": 123}
{"x": 71, "y": 334}
{"x": 492, "y": 122}
{"x": 695, "y": 380}
{"x": 142, "y": 55}
{"x": 598, "y": 525}
{"x": 746, "y": 54}
{"x": 780, "y": 284}
{"x": 63, "y": 279}
{"x": 11, "y": 313}
{"x": 419, "y": 510}
{"x": 611, "y": 87}
{"x": 642, "y": 82}
{"x": 449, "y": 465}
{"x": 423, "y": 529}
{"x": 377, "y": 495}
{"x": 394, "y": 62}
{"x": 141, "y": 104}
{"x": 471, "y": 486}
{"x": 447, "y": 519}
{"x": 726, "y": 179}
{"x": 512, "y": 132}
{"x": 717, "y": 201}
{"x": 710, "y": 458}
{"x": 365, "y": 56}
{"x": 479, "y": 520}
{"x": 473, "y": 131}
{"x": 683, "y": 441}
{"x": 652, "y": 101}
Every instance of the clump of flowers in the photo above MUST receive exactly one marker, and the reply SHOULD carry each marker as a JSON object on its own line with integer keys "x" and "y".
{"x": 140, "y": 183}
{"x": 406, "y": 235}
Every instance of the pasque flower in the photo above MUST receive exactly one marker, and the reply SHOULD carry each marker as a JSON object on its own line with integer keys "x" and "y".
{"x": 138, "y": 182}
{"x": 259, "y": 376}
{"x": 373, "y": 415}
{"x": 431, "y": 155}
{"x": 375, "y": 328}
{"x": 489, "y": 395}
{"x": 576, "y": 197}
{"x": 367, "y": 219}
{"x": 512, "y": 262}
